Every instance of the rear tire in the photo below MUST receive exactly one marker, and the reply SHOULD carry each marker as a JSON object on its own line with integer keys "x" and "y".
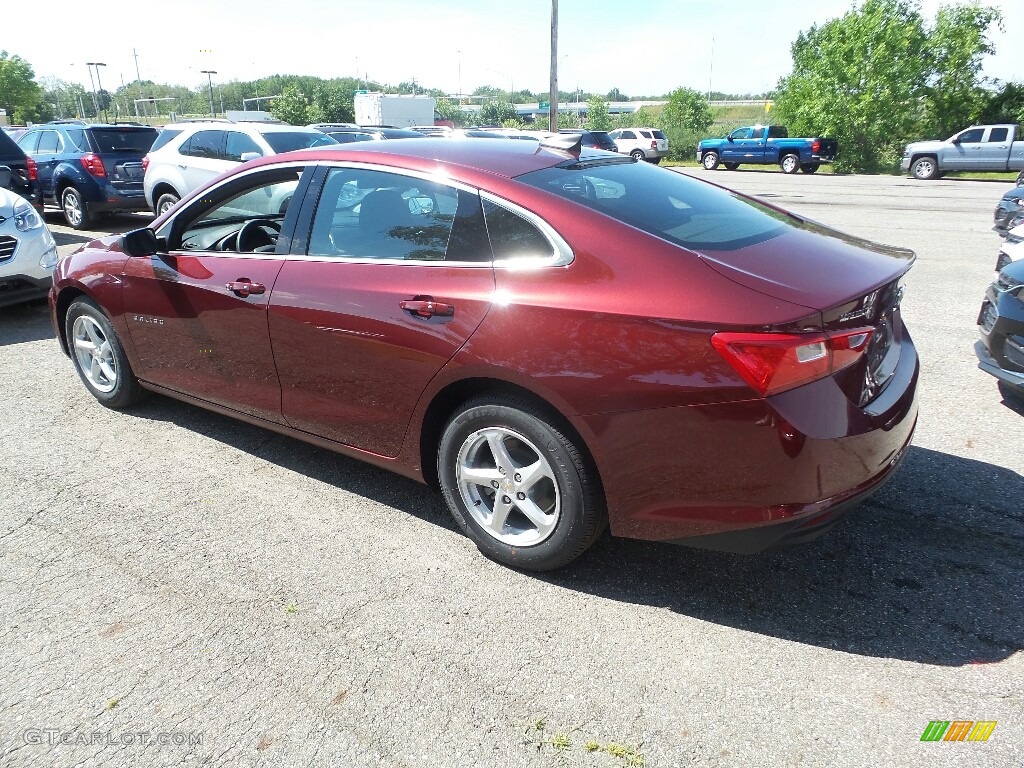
{"x": 99, "y": 357}
{"x": 709, "y": 161}
{"x": 76, "y": 210}
{"x": 731, "y": 166}
{"x": 789, "y": 163}
{"x": 518, "y": 486}
{"x": 1020, "y": 179}
{"x": 165, "y": 202}
{"x": 638, "y": 155}
{"x": 809, "y": 167}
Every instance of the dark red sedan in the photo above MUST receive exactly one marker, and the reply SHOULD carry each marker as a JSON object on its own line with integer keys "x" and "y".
{"x": 557, "y": 338}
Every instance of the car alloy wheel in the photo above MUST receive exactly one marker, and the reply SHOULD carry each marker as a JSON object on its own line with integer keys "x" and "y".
{"x": 790, "y": 163}
{"x": 165, "y": 203}
{"x": 98, "y": 356}
{"x": 76, "y": 211}
{"x": 518, "y": 486}
{"x": 710, "y": 161}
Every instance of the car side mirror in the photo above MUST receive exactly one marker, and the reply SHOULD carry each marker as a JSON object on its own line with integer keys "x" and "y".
{"x": 142, "y": 242}
{"x": 956, "y": 139}
{"x": 730, "y": 139}
{"x": 5, "y": 176}
{"x": 247, "y": 156}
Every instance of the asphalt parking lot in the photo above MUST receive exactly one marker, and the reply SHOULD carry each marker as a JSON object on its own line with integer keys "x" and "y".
{"x": 180, "y": 588}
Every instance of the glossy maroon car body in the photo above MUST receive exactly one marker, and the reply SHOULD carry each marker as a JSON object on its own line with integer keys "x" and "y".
{"x": 617, "y": 342}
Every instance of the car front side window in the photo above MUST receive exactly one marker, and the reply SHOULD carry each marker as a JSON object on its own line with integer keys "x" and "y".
{"x": 369, "y": 214}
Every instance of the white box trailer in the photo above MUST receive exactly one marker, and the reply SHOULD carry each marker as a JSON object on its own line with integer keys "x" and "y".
{"x": 394, "y": 109}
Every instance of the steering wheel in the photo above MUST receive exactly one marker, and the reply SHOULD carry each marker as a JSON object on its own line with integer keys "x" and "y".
{"x": 257, "y": 233}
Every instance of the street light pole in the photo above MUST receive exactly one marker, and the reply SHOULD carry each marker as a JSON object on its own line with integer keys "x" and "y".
{"x": 99, "y": 85}
{"x": 553, "y": 95}
{"x": 209, "y": 81}
{"x": 92, "y": 82}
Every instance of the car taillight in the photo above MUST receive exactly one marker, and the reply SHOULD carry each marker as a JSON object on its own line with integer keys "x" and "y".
{"x": 33, "y": 169}
{"x": 145, "y": 163}
{"x": 654, "y": 144}
{"x": 93, "y": 164}
{"x": 815, "y": 146}
{"x": 774, "y": 362}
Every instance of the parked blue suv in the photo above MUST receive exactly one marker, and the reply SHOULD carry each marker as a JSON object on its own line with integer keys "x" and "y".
{"x": 86, "y": 170}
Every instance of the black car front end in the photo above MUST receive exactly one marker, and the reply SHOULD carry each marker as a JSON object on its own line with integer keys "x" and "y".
{"x": 1000, "y": 350}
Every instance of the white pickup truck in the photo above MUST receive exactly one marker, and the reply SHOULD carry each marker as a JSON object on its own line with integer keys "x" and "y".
{"x": 978, "y": 148}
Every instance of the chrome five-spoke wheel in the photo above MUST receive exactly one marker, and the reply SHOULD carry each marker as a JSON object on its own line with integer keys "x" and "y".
{"x": 519, "y": 483}
{"x": 95, "y": 354}
{"x": 508, "y": 486}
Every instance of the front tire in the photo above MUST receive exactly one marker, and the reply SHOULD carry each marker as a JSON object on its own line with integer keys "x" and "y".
{"x": 789, "y": 163}
{"x": 76, "y": 210}
{"x": 925, "y": 169}
{"x": 518, "y": 486}
{"x": 99, "y": 357}
{"x": 709, "y": 161}
{"x": 1012, "y": 395}
{"x": 165, "y": 202}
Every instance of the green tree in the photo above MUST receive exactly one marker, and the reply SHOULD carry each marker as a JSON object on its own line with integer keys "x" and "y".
{"x": 872, "y": 78}
{"x": 293, "y": 106}
{"x": 1005, "y": 106}
{"x": 956, "y": 44}
{"x": 616, "y": 95}
{"x": 598, "y": 118}
{"x": 20, "y": 95}
{"x": 687, "y": 110}
{"x": 449, "y": 110}
{"x": 495, "y": 112}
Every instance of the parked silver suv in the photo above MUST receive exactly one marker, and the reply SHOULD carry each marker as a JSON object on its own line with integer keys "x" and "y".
{"x": 641, "y": 143}
{"x": 187, "y": 155}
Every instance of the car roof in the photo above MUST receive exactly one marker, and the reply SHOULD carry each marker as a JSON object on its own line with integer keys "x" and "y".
{"x": 493, "y": 156}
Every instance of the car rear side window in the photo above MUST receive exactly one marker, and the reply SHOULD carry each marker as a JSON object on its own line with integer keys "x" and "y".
{"x": 135, "y": 140}
{"x": 663, "y": 203}
{"x": 512, "y": 236}
{"x": 658, "y": 134}
{"x": 208, "y": 144}
{"x": 49, "y": 143}
{"x": 777, "y": 132}
{"x": 366, "y": 214}
{"x": 998, "y": 134}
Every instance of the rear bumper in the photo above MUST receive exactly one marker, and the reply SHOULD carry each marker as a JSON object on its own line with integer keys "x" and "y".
{"x": 749, "y": 476}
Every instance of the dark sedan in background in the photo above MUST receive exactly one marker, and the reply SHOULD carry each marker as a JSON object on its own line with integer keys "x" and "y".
{"x": 559, "y": 339}
{"x": 1000, "y": 350}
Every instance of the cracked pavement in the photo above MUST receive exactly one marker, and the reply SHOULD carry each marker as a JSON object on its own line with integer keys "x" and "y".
{"x": 169, "y": 570}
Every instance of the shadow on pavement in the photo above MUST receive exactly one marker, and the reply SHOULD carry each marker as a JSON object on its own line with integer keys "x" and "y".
{"x": 25, "y": 322}
{"x": 930, "y": 570}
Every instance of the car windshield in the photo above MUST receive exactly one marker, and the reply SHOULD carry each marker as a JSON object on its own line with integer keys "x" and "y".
{"x": 664, "y": 203}
{"x": 135, "y": 140}
{"x": 286, "y": 141}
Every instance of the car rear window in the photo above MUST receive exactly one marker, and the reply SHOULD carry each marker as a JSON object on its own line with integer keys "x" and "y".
{"x": 9, "y": 150}
{"x": 135, "y": 140}
{"x": 286, "y": 141}
{"x": 684, "y": 211}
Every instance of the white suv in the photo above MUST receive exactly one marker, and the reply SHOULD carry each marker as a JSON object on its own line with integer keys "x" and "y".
{"x": 641, "y": 143}
{"x": 27, "y": 251}
{"x": 187, "y": 155}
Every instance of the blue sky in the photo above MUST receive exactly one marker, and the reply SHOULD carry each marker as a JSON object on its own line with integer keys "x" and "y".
{"x": 642, "y": 47}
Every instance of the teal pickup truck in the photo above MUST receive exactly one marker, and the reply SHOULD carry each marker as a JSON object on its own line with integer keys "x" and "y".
{"x": 766, "y": 145}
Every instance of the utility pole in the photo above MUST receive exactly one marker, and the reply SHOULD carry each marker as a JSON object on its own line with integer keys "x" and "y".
{"x": 209, "y": 81}
{"x": 553, "y": 95}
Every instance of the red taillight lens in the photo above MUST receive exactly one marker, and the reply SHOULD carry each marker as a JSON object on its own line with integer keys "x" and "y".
{"x": 33, "y": 169}
{"x": 145, "y": 163}
{"x": 93, "y": 164}
{"x": 654, "y": 144}
{"x": 815, "y": 146}
{"x": 774, "y": 362}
